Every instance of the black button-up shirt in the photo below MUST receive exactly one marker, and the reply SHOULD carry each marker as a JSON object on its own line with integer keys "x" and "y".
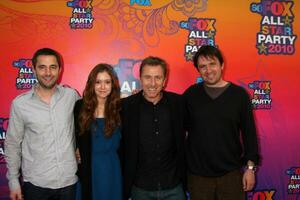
{"x": 157, "y": 147}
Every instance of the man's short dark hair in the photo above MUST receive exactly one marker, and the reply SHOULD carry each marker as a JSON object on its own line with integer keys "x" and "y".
{"x": 208, "y": 51}
{"x": 154, "y": 61}
{"x": 46, "y": 52}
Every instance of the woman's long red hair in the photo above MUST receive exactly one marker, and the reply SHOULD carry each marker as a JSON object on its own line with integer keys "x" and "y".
{"x": 90, "y": 103}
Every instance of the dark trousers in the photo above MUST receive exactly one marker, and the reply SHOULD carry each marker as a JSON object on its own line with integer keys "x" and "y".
{"x": 227, "y": 187}
{"x": 32, "y": 192}
{"x": 175, "y": 193}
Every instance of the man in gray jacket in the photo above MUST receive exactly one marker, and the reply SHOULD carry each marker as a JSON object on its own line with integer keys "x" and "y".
{"x": 40, "y": 135}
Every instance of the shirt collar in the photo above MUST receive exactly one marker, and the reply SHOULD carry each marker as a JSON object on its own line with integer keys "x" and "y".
{"x": 58, "y": 91}
{"x": 162, "y": 100}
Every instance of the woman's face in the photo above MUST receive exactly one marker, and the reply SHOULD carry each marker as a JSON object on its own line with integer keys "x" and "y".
{"x": 103, "y": 85}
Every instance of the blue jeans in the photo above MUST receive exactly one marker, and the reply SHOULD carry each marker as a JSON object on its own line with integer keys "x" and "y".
{"x": 32, "y": 192}
{"x": 175, "y": 193}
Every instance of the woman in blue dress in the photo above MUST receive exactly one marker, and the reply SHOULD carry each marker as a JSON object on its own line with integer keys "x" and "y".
{"x": 97, "y": 128}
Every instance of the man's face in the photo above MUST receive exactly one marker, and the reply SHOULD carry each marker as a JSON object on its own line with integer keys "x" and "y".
{"x": 152, "y": 82}
{"x": 210, "y": 70}
{"x": 47, "y": 71}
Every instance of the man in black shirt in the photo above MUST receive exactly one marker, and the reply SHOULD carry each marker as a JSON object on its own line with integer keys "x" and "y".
{"x": 153, "y": 138}
{"x": 221, "y": 133}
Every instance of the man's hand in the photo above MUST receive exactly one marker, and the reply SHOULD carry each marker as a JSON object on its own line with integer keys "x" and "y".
{"x": 248, "y": 180}
{"x": 16, "y": 194}
{"x": 77, "y": 154}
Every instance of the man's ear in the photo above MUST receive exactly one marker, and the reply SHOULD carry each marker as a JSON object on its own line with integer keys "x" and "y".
{"x": 222, "y": 66}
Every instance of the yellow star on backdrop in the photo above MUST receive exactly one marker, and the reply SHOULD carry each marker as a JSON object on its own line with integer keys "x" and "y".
{"x": 287, "y": 20}
{"x": 210, "y": 34}
{"x": 262, "y": 48}
{"x": 189, "y": 56}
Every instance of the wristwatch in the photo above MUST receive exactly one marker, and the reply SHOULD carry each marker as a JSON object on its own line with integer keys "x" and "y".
{"x": 251, "y": 167}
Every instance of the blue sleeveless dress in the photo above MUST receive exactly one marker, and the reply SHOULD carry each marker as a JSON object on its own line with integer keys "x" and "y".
{"x": 106, "y": 170}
